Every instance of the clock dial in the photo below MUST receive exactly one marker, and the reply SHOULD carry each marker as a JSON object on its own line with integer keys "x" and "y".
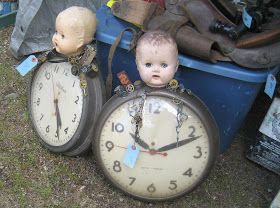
{"x": 56, "y": 103}
{"x": 175, "y": 147}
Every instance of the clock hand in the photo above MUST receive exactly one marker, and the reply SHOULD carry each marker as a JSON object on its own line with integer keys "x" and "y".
{"x": 151, "y": 152}
{"x": 58, "y": 113}
{"x": 58, "y": 118}
{"x": 140, "y": 141}
{"x": 175, "y": 144}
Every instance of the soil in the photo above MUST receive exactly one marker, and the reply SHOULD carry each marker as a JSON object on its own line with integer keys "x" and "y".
{"x": 31, "y": 176}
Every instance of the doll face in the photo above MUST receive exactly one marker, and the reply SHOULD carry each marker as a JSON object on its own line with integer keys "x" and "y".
{"x": 156, "y": 64}
{"x": 66, "y": 40}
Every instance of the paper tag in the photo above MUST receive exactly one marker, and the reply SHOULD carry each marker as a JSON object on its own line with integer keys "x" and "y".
{"x": 110, "y": 3}
{"x": 270, "y": 125}
{"x": 131, "y": 156}
{"x": 270, "y": 85}
{"x": 27, "y": 65}
{"x": 247, "y": 19}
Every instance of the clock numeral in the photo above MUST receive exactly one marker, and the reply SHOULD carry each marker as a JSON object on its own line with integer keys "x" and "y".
{"x": 132, "y": 180}
{"x": 74, "y": 83}
{"x": 151, "y": 188}
{"x": 154, "y": 108}
{"x": 109, "y": 145}
{"x": 56, "y": 68}
{"x": 199, "y": 152}
{"x": 173, "y": 185}
{"x": 41, "y": 116}
{"x": 38, "y": 101}
{"x": 118, "y": 127}
{"x": 56, "y": 134}
{"x": 192, "y": 132}
{"x": 78, "y": 98}
{"x": 47, "y": 75}
{"x": 65, "y": 72}
{"x": 48, "y": 129}
{"x": 74, "y": 119}
{"x": 188, "y": 172}
{"x": 117, "y": 166}
{"x": 66, "y": 130}
{"x": 40, "y": 85}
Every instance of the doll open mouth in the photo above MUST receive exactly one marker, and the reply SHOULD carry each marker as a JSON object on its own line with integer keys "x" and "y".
{"x": 156, "y": 76}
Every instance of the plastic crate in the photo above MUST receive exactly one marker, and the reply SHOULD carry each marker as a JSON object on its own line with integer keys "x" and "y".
{"x": 228, "y": 90}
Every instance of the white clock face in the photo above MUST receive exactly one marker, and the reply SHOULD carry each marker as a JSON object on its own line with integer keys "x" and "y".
{"x": 174, "y": 150}
{"x": 56, "y": 103}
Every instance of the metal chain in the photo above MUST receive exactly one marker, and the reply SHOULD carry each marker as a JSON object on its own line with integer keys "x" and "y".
{"x": 83, "y": 83}
{"x": 137, "y": 118}
{"x": 180, "y": 117}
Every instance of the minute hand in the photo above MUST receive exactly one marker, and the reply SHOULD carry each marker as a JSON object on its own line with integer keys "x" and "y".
{"x": 175, "y": 144}
{"x": 140, "y": 141}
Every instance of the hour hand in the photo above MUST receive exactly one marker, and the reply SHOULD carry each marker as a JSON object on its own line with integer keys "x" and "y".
{"x": 140, "y": 141}
{"x": 177, "y": 144}
{"x": 58, "y": 118}
{"x": 57, "y": 113}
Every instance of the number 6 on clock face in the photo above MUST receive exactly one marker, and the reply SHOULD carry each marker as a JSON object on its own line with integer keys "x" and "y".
{"x": 170, "y": 154}
{"x": 62, "y": 113}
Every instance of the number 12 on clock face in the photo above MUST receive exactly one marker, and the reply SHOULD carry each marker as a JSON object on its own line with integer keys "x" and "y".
{"x": 59, "y": 109}
{"x": 177, "y": 144}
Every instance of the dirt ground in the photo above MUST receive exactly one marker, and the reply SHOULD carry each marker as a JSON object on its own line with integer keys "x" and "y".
{"x": 31, "y": 176}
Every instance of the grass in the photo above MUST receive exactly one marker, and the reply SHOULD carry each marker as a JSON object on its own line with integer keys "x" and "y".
{"x": 30, "y": 175}
{"x": 44, "y": 192}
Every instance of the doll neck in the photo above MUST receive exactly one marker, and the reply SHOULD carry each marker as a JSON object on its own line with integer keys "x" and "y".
{"x": 79, "y": 52}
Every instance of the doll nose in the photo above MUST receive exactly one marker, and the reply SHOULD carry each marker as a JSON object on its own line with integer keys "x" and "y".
{"x": 156, "y": 69}
{"x": 54, "y": 40}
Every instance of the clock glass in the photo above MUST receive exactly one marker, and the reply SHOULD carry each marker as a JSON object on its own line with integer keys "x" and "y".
{"x": 168, "y": 154}
{"x": 56, "y": 103}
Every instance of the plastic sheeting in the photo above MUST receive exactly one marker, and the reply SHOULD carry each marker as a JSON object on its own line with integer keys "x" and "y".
{"x": 35, "y": 24}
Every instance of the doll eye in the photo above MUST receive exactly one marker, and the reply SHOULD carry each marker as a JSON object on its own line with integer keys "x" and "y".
{"x": 164, "y": 65}
{"x": 148, "y": 65}
{"x": 62, "y": 36}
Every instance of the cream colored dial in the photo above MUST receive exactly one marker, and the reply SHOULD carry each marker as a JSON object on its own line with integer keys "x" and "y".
{"x": 56, "y": 103}
{"x": 174, "y": 148}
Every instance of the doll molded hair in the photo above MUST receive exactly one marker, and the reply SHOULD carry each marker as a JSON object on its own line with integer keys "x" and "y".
{"x": 156, "y": 38}
{"x": 156, "y": 58}
{"x": 82, "y": 20}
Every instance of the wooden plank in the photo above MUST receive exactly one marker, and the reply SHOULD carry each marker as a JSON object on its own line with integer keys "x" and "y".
{"x": 8, "y": 19}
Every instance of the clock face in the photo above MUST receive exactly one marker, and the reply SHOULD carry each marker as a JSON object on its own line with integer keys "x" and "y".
{"x": 175, "y": 151}
{"x": 56, "y": 103}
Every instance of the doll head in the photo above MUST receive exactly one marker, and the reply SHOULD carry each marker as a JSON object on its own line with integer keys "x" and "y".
{"x": 75, "y": 27}
{"x": 156, "y": 58}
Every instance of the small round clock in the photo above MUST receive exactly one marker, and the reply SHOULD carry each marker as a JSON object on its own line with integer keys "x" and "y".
{"x": 64, "y": 107}
{"x": 156, "y": 144}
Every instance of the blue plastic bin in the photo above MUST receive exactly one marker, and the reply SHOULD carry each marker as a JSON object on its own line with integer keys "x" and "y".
{"x": 227, "y": 89}
{"x": 5, "y": 8}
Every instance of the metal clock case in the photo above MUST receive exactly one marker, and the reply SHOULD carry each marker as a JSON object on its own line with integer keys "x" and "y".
{"x": 64, "y": 107}
{"x": 156, "y": 144}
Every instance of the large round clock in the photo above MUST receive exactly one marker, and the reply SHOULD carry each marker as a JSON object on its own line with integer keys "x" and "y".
{"x": 156, "y": 144}
{"x": 64, "y": 107}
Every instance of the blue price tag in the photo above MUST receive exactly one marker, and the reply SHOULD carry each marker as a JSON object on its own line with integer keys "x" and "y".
{"x": 247, "y": 19}
{"x": 27, "y": 65}
{"x": 270, "y": 85}
{"x": 131, "y": 156}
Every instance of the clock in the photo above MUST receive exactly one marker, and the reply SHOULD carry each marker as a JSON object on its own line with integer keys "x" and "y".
{"x": 155, "y": 144}
{"x": 63, "y": 107}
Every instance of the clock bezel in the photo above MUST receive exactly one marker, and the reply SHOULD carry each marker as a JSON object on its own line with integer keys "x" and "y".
{"x": 92, "y": 105}
{"x": 190, "y": 100}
